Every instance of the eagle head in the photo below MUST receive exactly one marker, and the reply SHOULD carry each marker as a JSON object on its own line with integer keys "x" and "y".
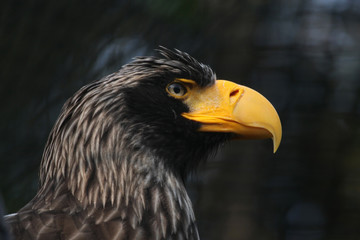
{"x": 124, "y": 144}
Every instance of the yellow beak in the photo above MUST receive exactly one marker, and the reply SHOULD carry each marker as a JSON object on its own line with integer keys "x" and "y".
{"x": 228, "y": 107}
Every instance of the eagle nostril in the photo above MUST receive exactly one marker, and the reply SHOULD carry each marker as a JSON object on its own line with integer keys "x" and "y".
{"x": 234, "y": 96}
{"x": 234, "y": 92}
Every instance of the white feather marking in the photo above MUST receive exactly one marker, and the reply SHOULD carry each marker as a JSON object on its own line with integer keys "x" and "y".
{"x": 155, "y": 199}
{"x": 171, "y": 209}
{"x": 163, "y": 224}
{"x": 10, "y": 215}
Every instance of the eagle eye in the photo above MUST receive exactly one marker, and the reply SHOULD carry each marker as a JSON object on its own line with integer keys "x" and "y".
{"x": 176, "y": 89}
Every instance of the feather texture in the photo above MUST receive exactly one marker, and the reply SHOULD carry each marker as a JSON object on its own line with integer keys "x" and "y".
{"x": 114, "y": 163}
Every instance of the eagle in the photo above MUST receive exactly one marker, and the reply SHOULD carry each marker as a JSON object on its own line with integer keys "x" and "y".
{"x": 115, "y": 163}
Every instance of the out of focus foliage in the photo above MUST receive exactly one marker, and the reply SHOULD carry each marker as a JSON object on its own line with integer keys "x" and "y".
{"x": 303, "y": 55}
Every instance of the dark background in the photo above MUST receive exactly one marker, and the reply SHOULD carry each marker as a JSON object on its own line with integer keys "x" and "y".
{"x": 303, "y": 55}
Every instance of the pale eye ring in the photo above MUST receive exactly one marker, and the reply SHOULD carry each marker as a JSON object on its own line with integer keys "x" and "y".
{"x": 176, "y": 89}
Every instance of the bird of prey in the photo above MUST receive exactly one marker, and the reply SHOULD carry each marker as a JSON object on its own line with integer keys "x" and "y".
{"x": 116, "y": 159}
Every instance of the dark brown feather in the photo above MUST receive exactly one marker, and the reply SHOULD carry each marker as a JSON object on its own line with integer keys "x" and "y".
{"x": 113, "y": 172}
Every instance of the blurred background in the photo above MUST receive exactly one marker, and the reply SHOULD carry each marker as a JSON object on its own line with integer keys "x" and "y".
{"x": 303, "y": 55}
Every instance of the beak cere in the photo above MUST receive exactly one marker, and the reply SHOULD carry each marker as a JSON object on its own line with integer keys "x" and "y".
{"x": 228, "y": 107}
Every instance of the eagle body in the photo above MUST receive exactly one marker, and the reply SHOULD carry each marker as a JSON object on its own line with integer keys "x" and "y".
{"x": 115, "y": 161}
